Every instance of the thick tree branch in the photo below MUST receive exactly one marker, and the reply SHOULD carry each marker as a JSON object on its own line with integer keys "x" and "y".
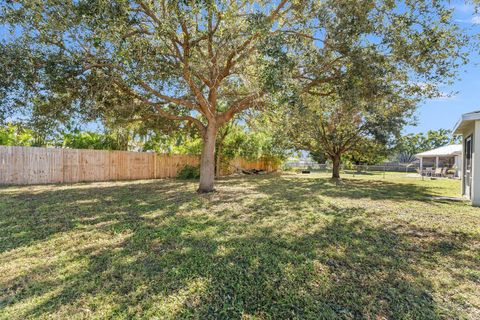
{"x": 238, "y": 106}
{"x": 146, "y": 9}
{"x": 159, "y": 107}
{"x": 183, "y": 102}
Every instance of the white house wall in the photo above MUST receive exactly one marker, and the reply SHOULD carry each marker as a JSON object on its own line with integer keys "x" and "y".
{"x": 469, "y": 131}
{"x": 459, "y": 165}
{"x": 476, "y": 162}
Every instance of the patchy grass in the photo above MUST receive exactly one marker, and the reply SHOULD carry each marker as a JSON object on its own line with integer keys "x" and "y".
{"x": 270, "y": 247}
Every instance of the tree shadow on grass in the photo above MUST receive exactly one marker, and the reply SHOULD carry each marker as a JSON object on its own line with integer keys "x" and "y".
{"x": 172, "y": 264}
{"x": 215, "y": 266}
{"x": 31, "y": 215}
{"x": 304, "y": 189}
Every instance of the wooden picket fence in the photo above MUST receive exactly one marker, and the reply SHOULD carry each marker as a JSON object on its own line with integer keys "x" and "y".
{"x": 240, "y": 163}
{"x": 30, "y": 165}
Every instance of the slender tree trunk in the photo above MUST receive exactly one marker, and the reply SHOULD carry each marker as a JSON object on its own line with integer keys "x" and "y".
{"x": 207, "y": 161}
{"x": 336, "y": 167}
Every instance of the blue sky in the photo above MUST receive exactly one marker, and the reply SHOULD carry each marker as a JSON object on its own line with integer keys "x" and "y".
{"x": 444, "y": 112}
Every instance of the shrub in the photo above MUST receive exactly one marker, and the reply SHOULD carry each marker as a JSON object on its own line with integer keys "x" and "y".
{"x": 189, "y": 172}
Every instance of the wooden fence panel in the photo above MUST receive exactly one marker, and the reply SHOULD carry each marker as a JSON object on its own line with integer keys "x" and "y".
{"x": 167, "y": 166}
{"x": 94, "y": 165}
{"x": 71, "y": 165}
{"x": 3, "y": 163}
{"x": 6, "y": 165}
{"x": 41, "y": 165}
{"x": 119, "y": 166}
{"x": 15, "y": 165}
{"x": 25, "y": 165}
{"x": 28, "y": 165}
{"x": 161, "y": 167}
{"x": 140, "y": 165}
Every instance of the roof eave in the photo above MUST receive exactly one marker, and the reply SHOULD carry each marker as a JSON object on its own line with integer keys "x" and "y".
{"x": 437, "y": 155}
{"x": 467, "y": 117}
{"x": 456, "y": 128}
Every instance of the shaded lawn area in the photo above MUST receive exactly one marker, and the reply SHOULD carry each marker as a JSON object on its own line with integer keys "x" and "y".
{"x": 270, "y": 247}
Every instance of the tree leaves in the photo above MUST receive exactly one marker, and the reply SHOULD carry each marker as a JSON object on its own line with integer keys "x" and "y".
{"x": 205, "y": 61}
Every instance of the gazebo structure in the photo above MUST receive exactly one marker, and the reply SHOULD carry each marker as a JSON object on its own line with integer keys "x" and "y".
{"x": 444, "y": 157}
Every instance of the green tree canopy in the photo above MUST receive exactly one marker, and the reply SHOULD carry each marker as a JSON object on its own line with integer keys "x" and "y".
{"x": 409, "y": 145}
{"x": 349, "y": 123}
{"x": 202, "y": 62}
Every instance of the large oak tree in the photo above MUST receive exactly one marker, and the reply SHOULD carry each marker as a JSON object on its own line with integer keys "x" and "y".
{"x": 201, "y": 62}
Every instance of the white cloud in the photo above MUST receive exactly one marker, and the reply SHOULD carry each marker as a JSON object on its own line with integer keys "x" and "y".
{"x": 475, "y": 20}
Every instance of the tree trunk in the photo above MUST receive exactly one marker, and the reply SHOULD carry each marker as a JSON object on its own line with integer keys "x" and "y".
{"x": 207, "y": 161}
{"x": 218, "y": 164}
{"x": 336, "y": 167}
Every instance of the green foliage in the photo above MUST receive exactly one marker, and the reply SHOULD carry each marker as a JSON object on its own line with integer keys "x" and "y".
{"x": 97, "y": 60}
{"x": 12, "y": 135}
{"x": 409, "y": 145}
{"x": 318, "y": 155}
{"x": 368, "y": 151}
{"x": 205, "y": 61}
{"x": 350, "y": 122}
{"x": 179, "y": 142}
{"x": 17, "y": 135}
{"x": 251, "y": 142}
{"x": 77, "y": 139}
{"x": 189, "y": 172}
{"x": 437, "y": 138}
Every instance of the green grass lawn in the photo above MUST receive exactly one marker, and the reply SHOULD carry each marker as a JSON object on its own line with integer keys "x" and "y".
{"x": 266, "y": 247}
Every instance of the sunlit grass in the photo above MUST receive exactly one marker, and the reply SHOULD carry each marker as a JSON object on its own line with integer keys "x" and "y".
{"x": 269, "y": 247}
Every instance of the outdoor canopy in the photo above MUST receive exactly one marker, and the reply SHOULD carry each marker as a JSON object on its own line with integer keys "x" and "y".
{"x": 453, "y": 150}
